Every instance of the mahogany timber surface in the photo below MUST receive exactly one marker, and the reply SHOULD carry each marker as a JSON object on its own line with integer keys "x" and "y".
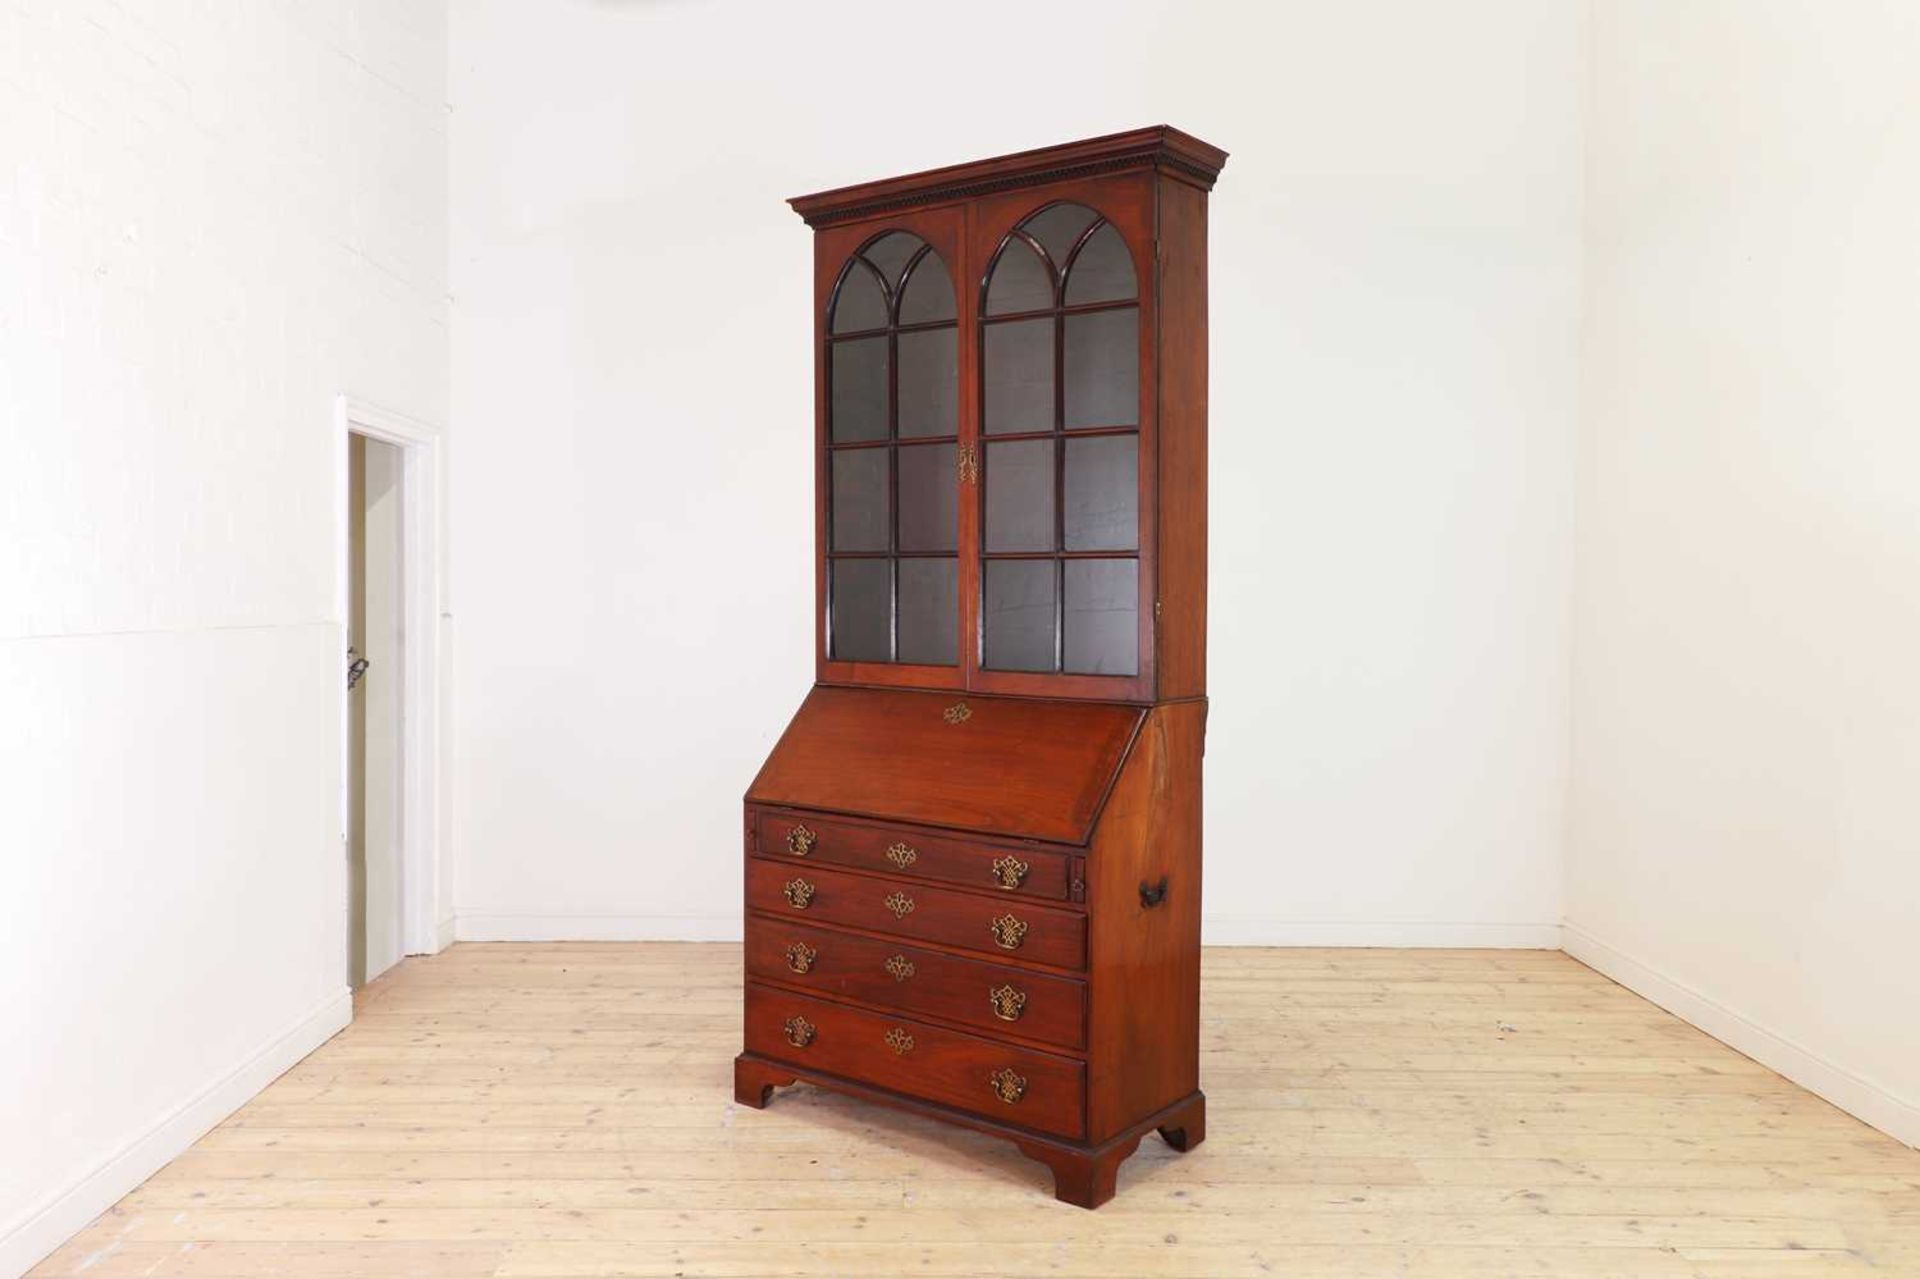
{"x": 1011, "y": 768}
{"x": 923, "y": 855}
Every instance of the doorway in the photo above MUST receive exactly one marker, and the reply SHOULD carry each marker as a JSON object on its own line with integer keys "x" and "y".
{"x": 376, "y": 727}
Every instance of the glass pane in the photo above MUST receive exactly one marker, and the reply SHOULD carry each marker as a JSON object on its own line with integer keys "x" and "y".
{"x": 1020, "y": 496}
{"x": 930, "y": 612}
{"x": 1020, "y": 281}
{"x": 860, "y": 304}
{"x": 1102, "y": 616}
{"x": 859, "y": 373}
{"x": 1018, "y": 622}
{"x": 1104, "y": 270}
{"x": 1056, "y": 227}
{"x": 1103, "y": 493}
{"x": 890, "y": 253}
{"x": 929, "y": 498}
{"x": 861, "y": 597}
{"x": 929, "y": 293}
{"x": 1102, "y": 359}
{"x": 1019, "y": 376}
{"x": 929, "y": 382}
{"x": 859, "y": 499}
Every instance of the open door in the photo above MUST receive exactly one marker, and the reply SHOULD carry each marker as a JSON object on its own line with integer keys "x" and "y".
{"x": 375, "y": 673}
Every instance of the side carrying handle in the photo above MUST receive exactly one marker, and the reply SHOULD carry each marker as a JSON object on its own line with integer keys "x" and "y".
{"x": 1152, "y": 895}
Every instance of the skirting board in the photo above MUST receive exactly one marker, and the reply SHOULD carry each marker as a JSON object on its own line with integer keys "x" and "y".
{"x": 1866, "y": 1101}
{"x": 63, "y": 1215}
{"x": 1215, "y": 931}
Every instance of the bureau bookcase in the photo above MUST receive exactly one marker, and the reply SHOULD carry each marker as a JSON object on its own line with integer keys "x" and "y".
{"x": 973, "y": 858}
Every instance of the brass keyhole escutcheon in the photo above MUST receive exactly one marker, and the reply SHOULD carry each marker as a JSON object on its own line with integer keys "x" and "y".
{"x": 1006, "y": 1085}
{"x": 800, "y": 841}
{"x": 900, "y": 904}
{"x": 799, "y": 1031}
{"x": 899, "y": 967}
{"x": 958, "y": 713}
{"x": 1010, "y": 871}
{"x": 900, "y": 1041}
{"x": 902, "y": 855}
{"x": 798, "y": 893}
{"x": 800, "y": 956}
{"x": 1007, "y": 1002}
{"x": 1008, "y": 932}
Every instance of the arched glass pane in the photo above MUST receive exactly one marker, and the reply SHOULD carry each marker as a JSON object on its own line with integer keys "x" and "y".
{"x": 860, "y": 303}
{"x": 890, "y": 253}
{"x": 929, "y": 292}
{"x": 1056, "y": 227}
{"x": 1020, "y": 281}
{"x": 1103, "y": 271}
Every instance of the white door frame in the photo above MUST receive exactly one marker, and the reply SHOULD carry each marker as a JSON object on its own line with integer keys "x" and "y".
{"x": 424, "y": 877}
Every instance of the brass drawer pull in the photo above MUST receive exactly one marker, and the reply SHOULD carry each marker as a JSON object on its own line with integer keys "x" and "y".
{"x": 798, "y": 893}
{"x": 800, "y": 956}
{"x": 900, "y": 904}
{"x": 1008, "y": 932}
{"x": 1007, "y": 1002}
{"x": 1010, "y": 872}
{"x": 902, "y": 855}
{"x": 899, "y": 967}
{"x": 799, "y": 1031}
{"x": 900, "y": 1041}
{"x": 800, "y": 841}
{"x": 1006, "y": 1085}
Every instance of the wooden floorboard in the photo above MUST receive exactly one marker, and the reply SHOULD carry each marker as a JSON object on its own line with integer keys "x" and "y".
{"x": 565, "y": 1110}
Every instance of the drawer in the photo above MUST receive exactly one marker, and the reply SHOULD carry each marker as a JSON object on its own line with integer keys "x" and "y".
{"x": 1001, "y": 927}
{"x": 1026, "y": 872}
{"x": 1019, "y": 1086}
{"x": 972, "y": 991}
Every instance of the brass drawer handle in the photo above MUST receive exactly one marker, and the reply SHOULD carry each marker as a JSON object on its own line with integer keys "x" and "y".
{"x": 1007, "y": 1003}
{"x": 799, "y": 1031}
{"x": 800, "y": 841}
{"x": 900, "y": 904}
{"x": 902, "y": 855}
{"x": 1010, "y": 872}
{"x": 900, "y": 967}
{"x": 800, "y": 956}
{"x": 900, "y": 1041}
{"x": 798, "y": 893}
{"x": 1008, "y": 932}
{"x": 1006, "y": 1085}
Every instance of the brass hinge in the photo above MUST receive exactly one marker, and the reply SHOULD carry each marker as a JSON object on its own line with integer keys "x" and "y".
{"x": 967, "y": 463}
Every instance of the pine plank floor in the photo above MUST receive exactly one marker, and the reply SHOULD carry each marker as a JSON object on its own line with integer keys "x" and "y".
{"x": 565, "y": 1111}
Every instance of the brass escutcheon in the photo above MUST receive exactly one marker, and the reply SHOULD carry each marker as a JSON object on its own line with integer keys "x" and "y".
{"x": 799, "y": 1031}
{"x": 1007, "y": 1002}
{"x": 900, "y": 904}
{"x": 902, "y": 855}
{"x": 899, "y": 967}
{"x": 800, "y": 956}
{"x": 1006, "y": 1085}
{"x": 958, "y": 713}
{"x": 1010, "y": 871}
{"x": 900, "y": 1041}
{"x": 800, "y": 841}
{"x": 1008, "y": 932}
{"x": 798, "y": 893}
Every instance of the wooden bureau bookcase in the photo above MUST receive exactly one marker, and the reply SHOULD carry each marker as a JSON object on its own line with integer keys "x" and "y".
{"x": 973, "y": 859}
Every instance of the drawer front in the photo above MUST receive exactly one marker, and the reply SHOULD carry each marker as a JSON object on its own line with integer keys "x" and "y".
{"x": 1002, "y": 928}
{"x": 990, "y": 996}
{"x": 1019, "y": 872}
{"x": 1017, "y": 1086}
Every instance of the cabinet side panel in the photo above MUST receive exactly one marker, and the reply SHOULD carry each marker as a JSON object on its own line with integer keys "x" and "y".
{"x": 1181, "y": 631}
{"x": 1144, "y": 961}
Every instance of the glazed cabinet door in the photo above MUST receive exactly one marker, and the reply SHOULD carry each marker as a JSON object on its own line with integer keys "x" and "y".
{"x": 889, "y": 412}
{"x": 1064, "y": 360}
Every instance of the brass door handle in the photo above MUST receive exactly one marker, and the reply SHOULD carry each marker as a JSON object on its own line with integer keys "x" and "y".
{"x": 1008, "y": 932}
{"x": 798, "y": 893}
{"x": 1007, "y": 1002}
{"x": 799, "y": 1031}
{"x": 1010, "y": 872}
{"x": 800, "y": 841}
{"x": 900, "y": 904}
{"x": 800, "y": 956}
{"x": 1006, "y": 1085}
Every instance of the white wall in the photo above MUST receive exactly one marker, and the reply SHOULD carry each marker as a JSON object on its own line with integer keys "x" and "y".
{"x": 213, "y": 219}
{"x": 1396, "y": 263}
{"x": 1745, "y": 814}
